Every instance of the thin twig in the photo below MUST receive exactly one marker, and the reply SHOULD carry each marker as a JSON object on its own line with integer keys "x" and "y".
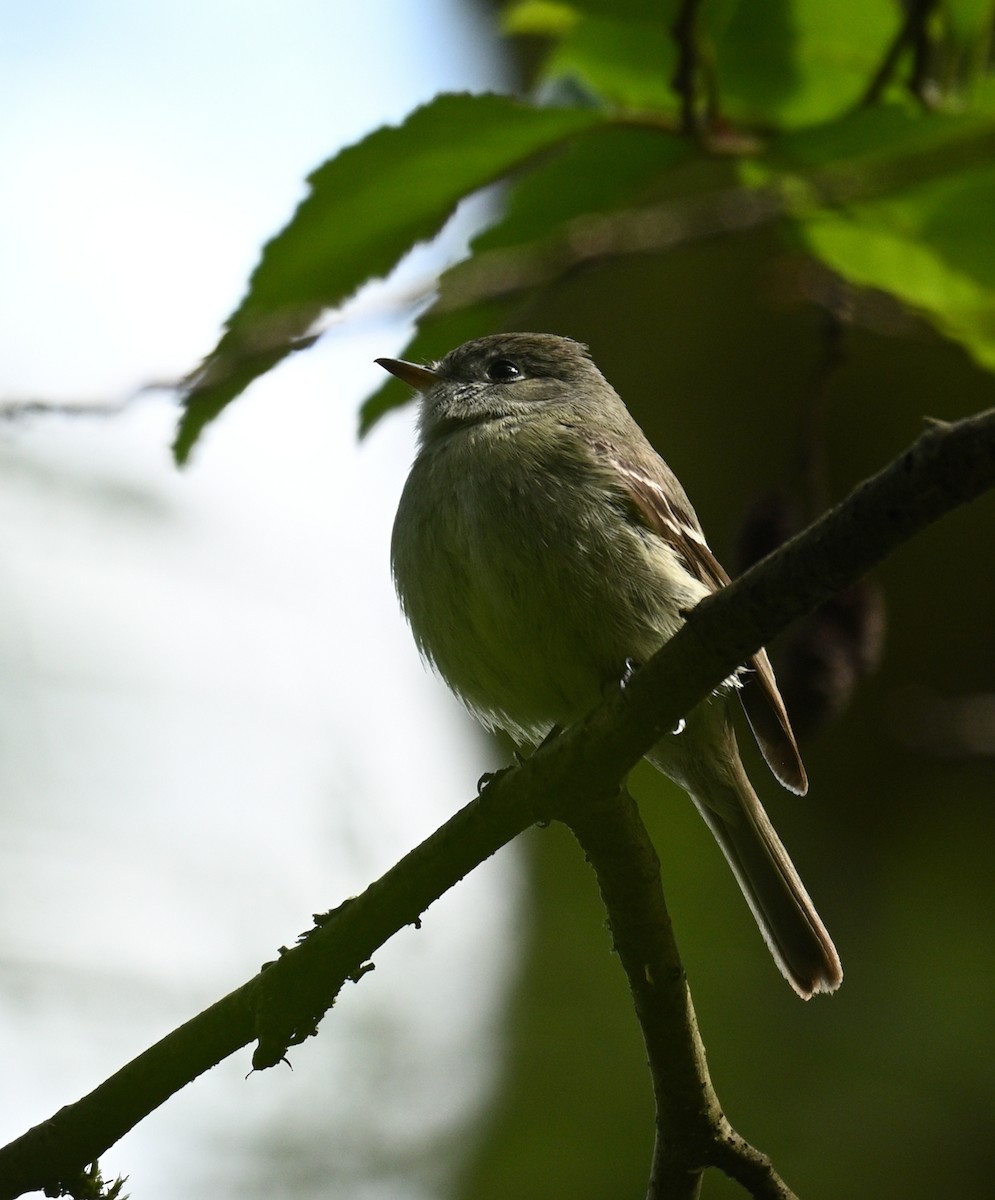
{"x": 912, "y": 34}
{"x": 685, "y": 79}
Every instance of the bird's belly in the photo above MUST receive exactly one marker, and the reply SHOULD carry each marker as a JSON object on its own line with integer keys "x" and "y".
{"x": 533, "y": 611}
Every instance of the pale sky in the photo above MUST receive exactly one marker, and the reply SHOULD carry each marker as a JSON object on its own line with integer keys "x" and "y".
{"x": 210, "y": 711}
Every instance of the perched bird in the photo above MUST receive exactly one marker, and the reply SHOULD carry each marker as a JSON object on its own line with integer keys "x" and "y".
{"x": 541, "y": 546}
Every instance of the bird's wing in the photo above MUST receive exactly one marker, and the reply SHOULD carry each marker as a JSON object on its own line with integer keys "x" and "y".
{"x": 658, "y": 502}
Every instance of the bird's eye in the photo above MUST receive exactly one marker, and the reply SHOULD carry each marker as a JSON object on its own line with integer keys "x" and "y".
{"x": 503, "y": 370}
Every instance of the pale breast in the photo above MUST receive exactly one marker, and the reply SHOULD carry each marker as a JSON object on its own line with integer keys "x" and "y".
{"x": 526, "y": 585}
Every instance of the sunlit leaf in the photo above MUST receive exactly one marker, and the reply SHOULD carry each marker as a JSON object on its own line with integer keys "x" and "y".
{"x": 627, "y": 10}
{"x": 624, "y": 63}
{"x": 366, "y": 207}
{"x": 800, "y": 61}
{"x": 598, "y": 171}
{"x": 877, "y": 139}
{"x": 930, "y": 247}
{"x": 539, "y": 18}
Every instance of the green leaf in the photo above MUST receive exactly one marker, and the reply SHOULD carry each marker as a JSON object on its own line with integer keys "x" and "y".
{"x": 539, "y": 18}
{"x": 366, "y": 207}
{"x": 785, "y": 62}
{"x": 797, "y": 62}
{"x": 626, "y": 63}
{"x": 969, "y": 18}
{"x": 604, "y": 169}
{"x": 930, "y": 246}
{"x": 601, "y": 170}
{"x": 901, "y": 200}
{"x": 625, "y": 10}
{"x": 896, "y": 140}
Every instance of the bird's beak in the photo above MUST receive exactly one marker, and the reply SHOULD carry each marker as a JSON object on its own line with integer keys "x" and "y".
{"x": 420, "y": 378}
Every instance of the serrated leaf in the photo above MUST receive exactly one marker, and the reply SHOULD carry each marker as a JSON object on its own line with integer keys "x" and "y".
{"x": 603, "y": 169}
{"x": 366, "y": 207}
{"x": 599, "y": 171}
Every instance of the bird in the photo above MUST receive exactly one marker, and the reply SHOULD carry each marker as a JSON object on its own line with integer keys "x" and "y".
{"x": 542, "y": 547}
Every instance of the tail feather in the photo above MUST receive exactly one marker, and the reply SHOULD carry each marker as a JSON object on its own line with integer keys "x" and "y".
{"x": 705, "y": 761}
{"x": 791, "y": 927}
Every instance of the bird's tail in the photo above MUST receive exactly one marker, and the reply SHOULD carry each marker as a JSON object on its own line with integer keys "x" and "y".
{"x": 776, "y": 895}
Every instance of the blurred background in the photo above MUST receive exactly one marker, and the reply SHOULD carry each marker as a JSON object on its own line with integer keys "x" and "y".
{"x": 210, "y": 710}
{"x": 213, "y": 722}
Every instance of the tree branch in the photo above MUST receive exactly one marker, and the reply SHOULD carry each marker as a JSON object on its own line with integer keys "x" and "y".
{"x": 949, "y": 465}
{"x": 913, "y": 34}
{"x": 692, "y": 1132}
{"x": 684, "y": 31}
